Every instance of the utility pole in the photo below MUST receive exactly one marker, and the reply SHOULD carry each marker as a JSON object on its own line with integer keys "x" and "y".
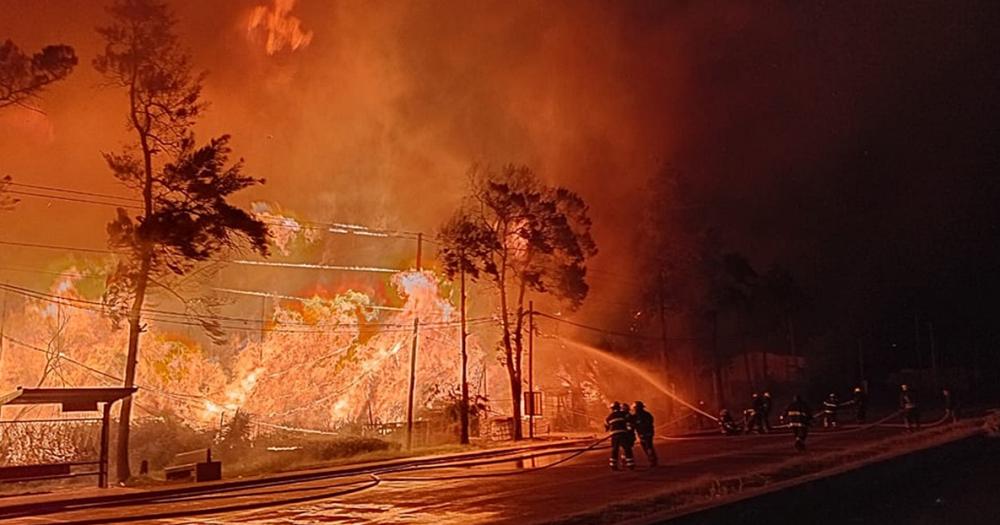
{"x": 531, "y": 369}
{"x": 413, "y": 384}
{"x": 420, "y": 249}
{"x": 413, "y": 359}
{"x": 464, "y": 409}
{"x": 263, "y": 325}
{"x": 3, "y": 322}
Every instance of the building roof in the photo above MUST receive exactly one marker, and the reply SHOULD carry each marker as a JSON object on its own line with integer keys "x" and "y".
{"x": 71, "y": 399}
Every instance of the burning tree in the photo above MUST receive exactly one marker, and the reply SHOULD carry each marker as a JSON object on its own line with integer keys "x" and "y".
{"x": 185, "y": 217}
{"x": 520, "y": 235}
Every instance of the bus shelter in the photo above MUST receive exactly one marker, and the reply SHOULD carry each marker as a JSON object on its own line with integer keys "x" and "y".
{"x": 71, "y": 401}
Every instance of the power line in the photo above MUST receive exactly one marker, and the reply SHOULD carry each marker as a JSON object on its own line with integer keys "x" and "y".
{"x": 255, "y": 293}
{"x": 46, "y": 272}
{"x": 311, "y": 266}
{"x": 612, "y": 332}
{"x": 55, "y": 247}
{"x": 75, "y": 192}
{"x": 198, "y": 320}
{"x": 595, "y": 328}
{"x": 73, "y": 199}
{"x": 68, "y": 358}
{"x": 274, "y": 220}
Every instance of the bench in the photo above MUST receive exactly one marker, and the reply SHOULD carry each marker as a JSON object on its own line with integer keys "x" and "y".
{"x": 195, "y": 464}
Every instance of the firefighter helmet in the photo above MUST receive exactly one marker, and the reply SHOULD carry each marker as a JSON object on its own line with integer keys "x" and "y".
{"x": 616, "y": 406}
{"x": 639, "y": 404}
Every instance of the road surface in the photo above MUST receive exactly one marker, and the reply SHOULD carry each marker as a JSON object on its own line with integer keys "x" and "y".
{"x": 509, "y": 490}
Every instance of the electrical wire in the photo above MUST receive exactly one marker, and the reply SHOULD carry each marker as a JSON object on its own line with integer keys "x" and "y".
{"x": 594, "y": 328}
{"x": 300, "y": 299}
{"x": 55, "y": 247}
{"x": 72, "y": 199}
{"x": 198, "y": 319}
{"x": 74, "y": 192}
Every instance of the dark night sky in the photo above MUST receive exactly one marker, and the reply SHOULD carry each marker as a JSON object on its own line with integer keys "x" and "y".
{"x": 856, "y": 142}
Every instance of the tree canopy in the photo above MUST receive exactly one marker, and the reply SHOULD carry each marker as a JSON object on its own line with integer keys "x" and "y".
{"x": 23, "y": 77}
{"x": 522, "y": 236}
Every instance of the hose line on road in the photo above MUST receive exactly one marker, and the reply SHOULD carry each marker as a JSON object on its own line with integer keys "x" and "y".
{"x": 186, "y": 512}
{"x": 570, "y": 457}
{"x": 880, "y": 422}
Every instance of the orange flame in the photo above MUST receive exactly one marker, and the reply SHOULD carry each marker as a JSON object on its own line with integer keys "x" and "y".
{"x": 277, "y": 28}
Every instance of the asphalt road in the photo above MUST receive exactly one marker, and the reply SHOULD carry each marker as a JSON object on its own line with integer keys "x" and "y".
{"x": 514, "y": 490}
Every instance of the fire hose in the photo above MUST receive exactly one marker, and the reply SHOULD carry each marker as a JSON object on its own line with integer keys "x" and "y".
{"x": 512, "y": 472}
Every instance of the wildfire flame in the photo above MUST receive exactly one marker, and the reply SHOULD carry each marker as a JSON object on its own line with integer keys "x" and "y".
{"x": 278, "y": 29}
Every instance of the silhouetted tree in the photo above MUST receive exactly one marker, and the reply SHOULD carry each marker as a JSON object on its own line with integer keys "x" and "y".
{"x": 521, "y": 236}
{"x": 782, "y": 299}
{"x": 185, "y": 217}
{"x": 23, "y": 77}
{"x": 734, "y": 290}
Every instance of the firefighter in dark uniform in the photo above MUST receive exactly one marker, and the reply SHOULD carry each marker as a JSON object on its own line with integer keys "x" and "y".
{"x": 908, "y": 404}
{"x": 860, "y": 402}
{"x": 726, "y": 423}
{"x": 830, "y": 406}
{"x": 644, "y": 428}
{"x": 617, "y": 424}
{"x": 798, "y": 416}
{"x": 765, "y": 411}
{"x": 751, "y": 416}
{"x": 629, "y": 448}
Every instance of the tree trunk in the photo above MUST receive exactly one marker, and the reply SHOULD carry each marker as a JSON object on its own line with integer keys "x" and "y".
{"x": 134, "y": 329}
{"x": 512, "y": 371}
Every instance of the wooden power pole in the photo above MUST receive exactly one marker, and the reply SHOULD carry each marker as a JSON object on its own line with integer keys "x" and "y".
{"x": 464, "y": 409}
{"x": 413, "y": 359}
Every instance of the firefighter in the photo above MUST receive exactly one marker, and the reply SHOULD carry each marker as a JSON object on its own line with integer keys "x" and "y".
{"x": 644, "y": 428}
{"x": 765, "y": 412}
{"x": 629, "y": 446}
{"x": 751, "y": 416}
{"x": 860, "y": 402}
{"x": 798, "y": 416}
{"x": 830, "y": 406}
{"x": 908, "y": 404}
{"x": 617, "y": 424}
{"x": 726, "y": 423}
